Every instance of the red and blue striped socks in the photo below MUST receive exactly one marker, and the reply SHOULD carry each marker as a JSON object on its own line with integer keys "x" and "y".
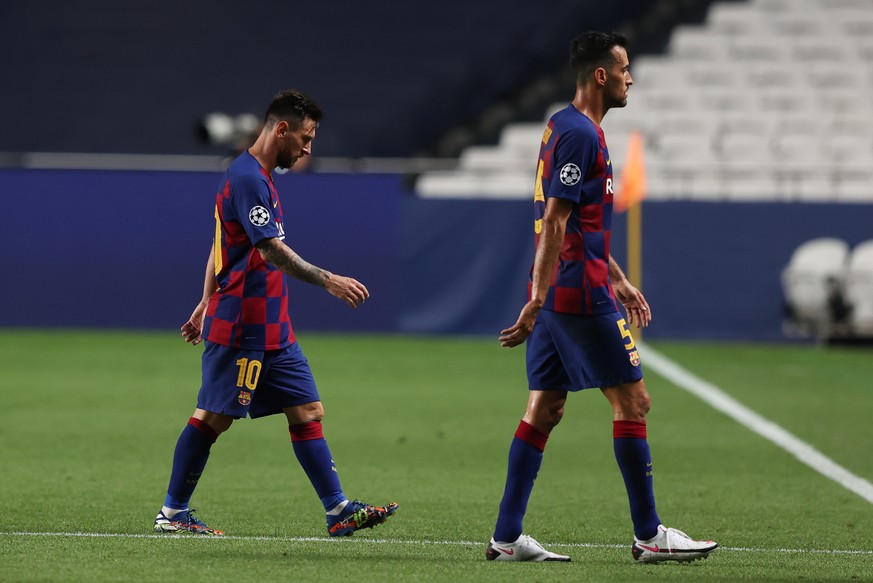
{"x": 635, "y": 462}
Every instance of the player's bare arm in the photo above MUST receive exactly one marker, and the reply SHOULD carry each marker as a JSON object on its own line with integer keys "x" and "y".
{"x": 633, "y": 300}
{"x": 348, "y": 289}
{"x": 554, "y": 226}
{"x": 193, "y": 328}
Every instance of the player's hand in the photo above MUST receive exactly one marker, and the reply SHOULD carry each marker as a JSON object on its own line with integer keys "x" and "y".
{"x": 348, "y": 289}
{"x": 634, "y": 302}
{"x": 517, "y": 334}
{"x": 193, "y": 328}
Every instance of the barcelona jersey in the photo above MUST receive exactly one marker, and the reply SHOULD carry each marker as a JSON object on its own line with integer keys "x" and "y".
{"x": 250, "y": 308}
{"x": 574, "y": 164}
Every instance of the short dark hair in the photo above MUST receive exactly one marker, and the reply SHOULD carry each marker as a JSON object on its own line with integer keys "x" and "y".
{"x": 294, "y": 107}
{"x": 593, "y": 49}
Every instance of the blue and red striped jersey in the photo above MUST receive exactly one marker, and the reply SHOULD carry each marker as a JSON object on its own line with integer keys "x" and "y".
{"x": 574, "y": 164}
{"x": 250, "y": 308}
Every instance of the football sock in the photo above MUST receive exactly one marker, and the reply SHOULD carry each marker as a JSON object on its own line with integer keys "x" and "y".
{"x": 189, "y": 460}
{"x": 635, "y": 462}
{"x": 312, "y": 452}
{"x": 525, "y": 458}
{"x": 337, "y": 510}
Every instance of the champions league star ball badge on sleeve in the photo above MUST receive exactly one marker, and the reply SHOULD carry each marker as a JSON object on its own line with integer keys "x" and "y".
{"x": 259, "y": 216}
{"x": 570, "y": 174}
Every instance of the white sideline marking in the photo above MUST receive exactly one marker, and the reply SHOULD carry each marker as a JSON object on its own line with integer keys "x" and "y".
{"x": 719, "y": 400}
{"x": 383, "y": 541}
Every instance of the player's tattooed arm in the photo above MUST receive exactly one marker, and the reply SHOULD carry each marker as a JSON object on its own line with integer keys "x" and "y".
{"x": 282, "y": 256}
{"x": 348, "y": 289}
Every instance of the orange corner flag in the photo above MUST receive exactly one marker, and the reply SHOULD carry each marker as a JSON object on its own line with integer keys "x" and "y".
{"x": 632, "y": 188}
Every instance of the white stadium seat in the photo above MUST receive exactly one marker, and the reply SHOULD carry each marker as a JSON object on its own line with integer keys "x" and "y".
{"x": 752, "y": 188}
{"x": 816, "y": 271}
{"x": 855, "y": 24}
{"x": 813, "y": 188}
{"x": 759, "y": 48}
{"x": 776, "y": 7}
{"x": 824, "y": 76}
{"x": 489, "y": 158}
{"x": 830, "y": 50}
{"x": 522, "y": 137}
{"x": 653, "y": 72}
{"x": 697, "y": 43}
{"x": 798, "y": 24}
{"x": 854, "y": 190}
{"x": 766, "y": 75}
{"x": 475, "y": 185}
{"x": 733, "y": 19}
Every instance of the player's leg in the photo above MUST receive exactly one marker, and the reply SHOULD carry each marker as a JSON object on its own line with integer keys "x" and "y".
{"x": 544, "y": 411}
{"x": 343, "y": 517}
{"x": 228, "y": 381}
{"x": 313, "y": 453}
{"x": 600, "y": 351}
{"x": 189, "y": 461}
{"x": 630, "y": 403}
{"x": 548, "y": 383}
{"x": 652, "y": 541}
{"x": 289, "y": 387}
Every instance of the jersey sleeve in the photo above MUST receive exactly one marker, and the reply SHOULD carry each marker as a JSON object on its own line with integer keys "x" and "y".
{"x": 575, "y": 153}
{"x": 250, "y": 199}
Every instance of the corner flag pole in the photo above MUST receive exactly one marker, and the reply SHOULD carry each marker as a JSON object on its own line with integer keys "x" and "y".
{"x": 633, "y": 191}
{"x": 635, "y": 251}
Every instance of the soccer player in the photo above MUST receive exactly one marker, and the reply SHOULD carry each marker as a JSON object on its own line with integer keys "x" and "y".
{"x": 576, "y": 336}
{"x": 252, "y": 364}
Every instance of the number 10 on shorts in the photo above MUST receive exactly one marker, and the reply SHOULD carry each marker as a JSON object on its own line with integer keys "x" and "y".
{"x": 250, "y": 370}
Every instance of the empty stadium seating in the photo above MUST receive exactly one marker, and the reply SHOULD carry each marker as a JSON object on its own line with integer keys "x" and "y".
{"x": 767, "y": 95}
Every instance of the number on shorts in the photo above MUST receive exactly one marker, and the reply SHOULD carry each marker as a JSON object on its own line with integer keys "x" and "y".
{"x": 249, "y": 371}
{"x": 625, "y": 333}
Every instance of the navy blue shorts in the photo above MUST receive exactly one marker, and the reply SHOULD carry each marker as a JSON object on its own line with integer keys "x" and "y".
{"x": 567, "y": 352}
{"x": 254, "y": 382}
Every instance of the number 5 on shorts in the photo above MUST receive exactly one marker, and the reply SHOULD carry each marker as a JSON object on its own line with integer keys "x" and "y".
{"x": 626, "y": 334}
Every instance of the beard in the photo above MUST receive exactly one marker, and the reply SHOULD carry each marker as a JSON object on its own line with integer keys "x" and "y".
{"x": 285, "y": 160}
{"x": 616, "y": 101}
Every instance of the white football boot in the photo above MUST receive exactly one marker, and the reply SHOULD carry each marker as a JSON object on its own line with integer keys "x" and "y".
{"x": 671, "y": 544}
{"x": 524, "y": 549}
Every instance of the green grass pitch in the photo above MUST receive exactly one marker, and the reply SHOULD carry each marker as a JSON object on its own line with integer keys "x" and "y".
{"x": 90, "y": 419}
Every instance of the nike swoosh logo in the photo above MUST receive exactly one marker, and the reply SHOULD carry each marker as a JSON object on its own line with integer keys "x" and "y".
{"x": 654, "y": 549}
{"x": 508, "y": 552}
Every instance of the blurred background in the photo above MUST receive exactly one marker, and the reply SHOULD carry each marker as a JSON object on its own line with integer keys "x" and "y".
{"x": 755, "y": 117}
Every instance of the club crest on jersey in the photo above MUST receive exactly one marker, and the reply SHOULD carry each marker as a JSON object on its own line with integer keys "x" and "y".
{"x": 259, "y": 216}
{"x": 634, "y": 356}
{"x": 570, "y": 174}
{"x": 245, "y": 397}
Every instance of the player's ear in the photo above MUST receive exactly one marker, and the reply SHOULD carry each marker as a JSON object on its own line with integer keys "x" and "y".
{"x": 600, "y": 75}
{"x": 281, "y": 129}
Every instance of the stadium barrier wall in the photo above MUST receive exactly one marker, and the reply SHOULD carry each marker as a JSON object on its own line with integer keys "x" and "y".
{"x": 124, "y": 249}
